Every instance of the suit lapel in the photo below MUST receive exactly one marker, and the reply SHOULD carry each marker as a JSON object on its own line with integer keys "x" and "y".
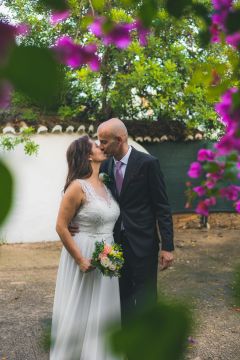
{"x": 112, "y": 185}
{"x": 131, "y": 167}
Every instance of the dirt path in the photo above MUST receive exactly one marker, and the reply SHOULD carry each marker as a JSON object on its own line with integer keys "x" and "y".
{"x": 202, "y": 275}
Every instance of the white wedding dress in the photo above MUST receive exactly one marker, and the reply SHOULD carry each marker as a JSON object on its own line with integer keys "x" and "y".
{"x": 85, "y": 302}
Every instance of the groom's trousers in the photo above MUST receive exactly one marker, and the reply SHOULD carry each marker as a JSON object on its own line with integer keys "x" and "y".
{"x": 138, "y": 281}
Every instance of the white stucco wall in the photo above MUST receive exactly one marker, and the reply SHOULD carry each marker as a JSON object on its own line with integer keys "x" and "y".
{"x": 38, "y": 185}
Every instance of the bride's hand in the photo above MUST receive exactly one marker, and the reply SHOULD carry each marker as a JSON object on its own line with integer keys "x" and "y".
{"x": 85, "y": 265}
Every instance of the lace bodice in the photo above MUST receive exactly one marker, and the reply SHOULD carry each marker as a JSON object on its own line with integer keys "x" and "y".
{"x": 97, "y": 215}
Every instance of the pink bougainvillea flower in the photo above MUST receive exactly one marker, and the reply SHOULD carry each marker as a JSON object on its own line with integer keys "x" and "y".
{"x": 237, "y": 206}
{"x": 58, "y": 16}
{"x": 202, "y": 208}
{"x": 22, "y": 29}
{"x": 195, "y": 170}
{"x": 210, "y": 201}
{"x": 210, "y": 184}
{"x": 225, "y": 107}
{"x": 230, "y": 192}
{"x": 96, "y": 26}
{"x": 222, "y": 4}
{"x": 75, "y": 55}
{"x": 234, "y": 40}
{"x": 119, "y": 36}
{"x": 200, "y": 190}
{"x": 143, "y": 32}
{"x": 5, "y": 94}
{"x": 225, "y": 145}
{"x": 205, "y": 155}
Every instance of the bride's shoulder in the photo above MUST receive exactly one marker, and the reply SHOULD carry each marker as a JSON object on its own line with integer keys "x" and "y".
{"x": 75, "y": 186}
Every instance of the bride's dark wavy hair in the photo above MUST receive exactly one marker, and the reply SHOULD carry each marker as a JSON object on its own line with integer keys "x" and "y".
{"x": 79, "y": 165}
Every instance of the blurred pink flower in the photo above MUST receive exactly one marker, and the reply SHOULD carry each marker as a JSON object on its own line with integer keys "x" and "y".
{"x": 210, "y": 201}
{"x": 237, "y": 206}
{"x": 210, "y": 184}
{"x": 234, "y": 39}
{"x": 58, "y": 16}
{"x": 96, "y": 26}
{"x": 75, "y": 55}
{"x": 195, "y": 170}
{"x": 202, "y": 208}
{"x": 119, "y": 34}
{"x": 199, "y": 190}
{"x": 230, "y": 192}
{"x": 205, "y": 155}
{"x": 222, "y": 4}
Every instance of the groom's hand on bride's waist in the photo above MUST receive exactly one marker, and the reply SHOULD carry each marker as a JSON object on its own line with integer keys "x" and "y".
{"x": 166, "y": 259}
{"x": 73, "y": 229}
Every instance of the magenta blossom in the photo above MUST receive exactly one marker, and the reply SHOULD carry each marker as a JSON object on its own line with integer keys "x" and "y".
{"x": 234, "y": 40}
{"x": 222, "y": 4}
{"x": 58, "y": 16}
{"x": 96, "y": 27}
{"x": 195, "y": 170}
{"x": 210, "y": 201}
{"x": 237, "y": 206}
{"x": 225, "y": 107}
{"x": 199, "y": 190}
{"x": 75, "y": 55}
{"x": 142, "y": 31}
{"x": 202, "y": 208}
{"x": 230, "y": 192}
{"x": 210, "y": 184}
{"x": 205, "y": 155}
{"x": 119, "y": 36}
{"x": 5, "y": 94}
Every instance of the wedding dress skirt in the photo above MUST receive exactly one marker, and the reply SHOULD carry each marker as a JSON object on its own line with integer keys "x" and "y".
{"x": 85, "y": 303}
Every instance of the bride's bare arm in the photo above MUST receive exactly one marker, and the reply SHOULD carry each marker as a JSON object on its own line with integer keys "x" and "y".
{"x": 71, "y": 201}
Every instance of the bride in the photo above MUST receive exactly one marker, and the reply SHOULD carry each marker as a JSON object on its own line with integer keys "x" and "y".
{"x": 85, "y": 301}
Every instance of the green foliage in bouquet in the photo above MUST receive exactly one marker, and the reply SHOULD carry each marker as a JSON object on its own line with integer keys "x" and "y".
{"x": 108, "y": 259}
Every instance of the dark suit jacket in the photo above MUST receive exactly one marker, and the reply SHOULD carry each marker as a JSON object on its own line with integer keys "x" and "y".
{"x": 143, "y": 200}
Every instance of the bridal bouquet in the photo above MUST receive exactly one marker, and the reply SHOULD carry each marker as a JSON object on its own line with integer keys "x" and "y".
{"x": 108, "y": 258}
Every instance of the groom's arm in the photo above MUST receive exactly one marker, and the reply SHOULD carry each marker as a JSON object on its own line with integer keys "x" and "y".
{"x": 160, "y": 204}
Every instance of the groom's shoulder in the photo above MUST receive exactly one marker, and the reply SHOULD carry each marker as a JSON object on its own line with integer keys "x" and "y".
{"x": 145, "y": 157}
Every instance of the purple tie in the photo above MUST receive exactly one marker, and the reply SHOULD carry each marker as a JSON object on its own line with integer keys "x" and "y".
{"x": 118, "y": 176}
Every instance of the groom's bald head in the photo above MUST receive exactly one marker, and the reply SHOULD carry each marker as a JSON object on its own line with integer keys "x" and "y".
{"x": 114, "y": 127}
{"x": 113, "y": 137}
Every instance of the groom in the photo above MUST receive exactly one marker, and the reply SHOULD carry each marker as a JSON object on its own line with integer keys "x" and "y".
{"x": 137, "y": 184}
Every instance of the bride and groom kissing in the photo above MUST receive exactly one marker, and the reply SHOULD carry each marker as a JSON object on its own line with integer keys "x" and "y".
{"x": 126, "y": 211}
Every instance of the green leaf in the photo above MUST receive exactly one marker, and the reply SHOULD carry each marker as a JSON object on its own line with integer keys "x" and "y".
{"x": 236, "y": 100}
{"x": 160, "y": 332}
{"x": 211, "y": 167}
{"x": 147, "y": 11}
{"x": 58, "y": 5}
{"x": 233, "y": 21}
{"x": 204, "y": 38}
{"x": 6, "y": 191}
{"x": 98, "y": 4}
{"x": 202, "y": 11}
{"x": 35, "y": 72}
{"x": 177, "y": 8}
